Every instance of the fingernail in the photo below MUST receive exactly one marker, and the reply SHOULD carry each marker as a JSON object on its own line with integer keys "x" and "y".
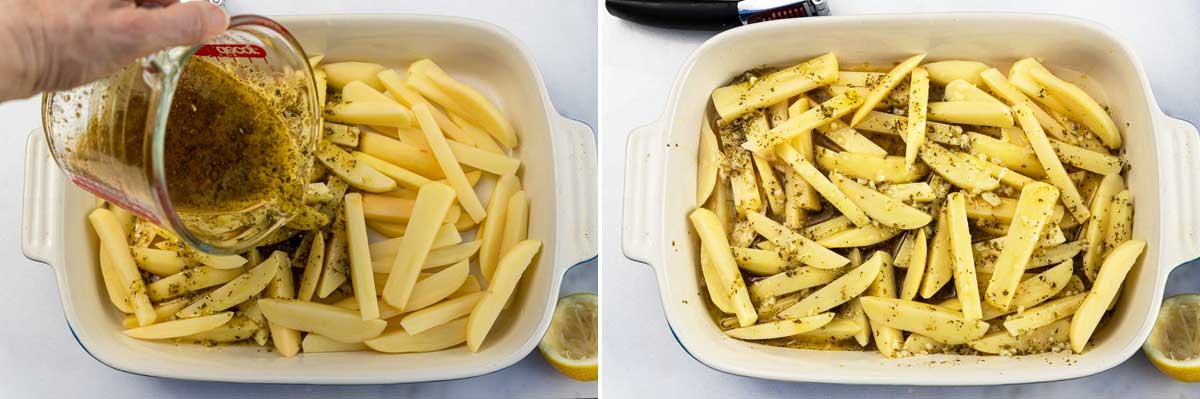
{"x": 217, "y": 21}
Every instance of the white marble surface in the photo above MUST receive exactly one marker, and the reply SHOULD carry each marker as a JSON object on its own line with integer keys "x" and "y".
{"x": 640, "y": 356}
{"x": 39, "y": 358}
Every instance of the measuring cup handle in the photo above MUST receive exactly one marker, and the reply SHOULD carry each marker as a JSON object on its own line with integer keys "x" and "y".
{"x": 41, "y": 216}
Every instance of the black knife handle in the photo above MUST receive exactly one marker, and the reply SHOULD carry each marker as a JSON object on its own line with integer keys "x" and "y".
{"x": 677, "y": 14}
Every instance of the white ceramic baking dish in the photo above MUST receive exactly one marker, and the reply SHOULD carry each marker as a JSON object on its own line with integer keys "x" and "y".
{"x": 661, "y": 174}
{"x": 559, "y": 173}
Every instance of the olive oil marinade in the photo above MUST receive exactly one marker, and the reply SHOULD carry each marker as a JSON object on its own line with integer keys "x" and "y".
{"x": 224, "y": 152}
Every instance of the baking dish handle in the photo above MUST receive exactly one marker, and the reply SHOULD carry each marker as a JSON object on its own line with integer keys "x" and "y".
{"x": 577, "y": 217}
{"x": 1179, "y": 191}
{"x": 643, "y": 194}
{"x": 41, "y": 213}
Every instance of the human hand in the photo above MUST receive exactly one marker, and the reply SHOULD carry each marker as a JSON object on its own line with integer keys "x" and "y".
{"x": 59, "y": 44}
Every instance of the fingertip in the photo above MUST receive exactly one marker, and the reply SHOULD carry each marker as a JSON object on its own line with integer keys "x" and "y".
{"x": 216, "y": 21}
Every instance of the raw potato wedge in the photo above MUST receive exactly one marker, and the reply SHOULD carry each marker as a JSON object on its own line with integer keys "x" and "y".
{"x": 963, "y": 260}
{"x": 312, "y": 270}
{"x": 180, "y": 328}
{"x": 1051, "y": 164}
{"x": 1000, "y": 85}
{"x": 357, "y": 91}
{"x": 896, "y": 125}
{"x": 282, "y": 286}
{"x": 827, "y": 228}
{"x": 343, "y": 135}
{"x": 437, "y": 338}
{"x": 1044, "y": 314}
{"x": 1098, "y": 223}
{"x": 237, "y": 329}
{"x": 1081, "y": 106}
{"x": 961, "y": 174}
{"x": 838, "y": 291}
{"x": 317, "y": 343}
{"x": 449, "y": 164}
{"x": 362, "y": 276}
{"x": 390, "y": 209}
{"x": 887, "y": 340}
{"x": 474, "y": 106}
{"x": 437, "y": 287}
{"x": 916, "y": 266}
{"x": 971, "y": 113}
{"x": 880, "y": 90}
{"x": 718, "y": 290}
{"x": 112, "y": 238}
{"x": 1045, "y": 285}
{"x": 369, "y": 113}
{"x": 944, "y": 72}
{"x": 759, "y": 261}
{"x": 438, "y": 257}
{"x": 341, "y": 325}
{"x": 931, "y": 321}
{"x": 398, "y": 174}
{"x": 888, "y": 169}
{"x": 909, "y": 192}
{"x": 834, "y": 331}
{"x": 918, "y": 103}
{"x": 823, "y": 114}
{"x": 708, "y": 157}
{"x": 823, "y": 186}
{"x": 738, "y": 99}
{"x": 1041, "y": 339}
{"x": 163, "y": 311}
{"x": 1108, "y": 282}
{"x": 797, "y": 246}
{"x": 939, "y": 269}
{"x": 117, "y": 293}
{"x": 508, "y": 273}
{"x": 850, "y": 140}
{"x": 962, "y": 90}
{"x": 412, "y": 158}
{"x": 1120, "y": 222}
{"x": 433, "y": 200}
{"x": 791, "y": 281}
{"x": 322, "y": 83}
{"x": 1086, "y": 159}
{"x": 492, "y": 232}
{"x": 881, "y": 208}
{"x": 339, "y": 74}
{"x": 441, "y": 313}
{"x": 189, "y": 281}
{"x": 1020, "y": 159}
{"x": 859, "y": 237}
{"x": 516, "y": 221}
{"x": 445, "y": 236}
{"x": 237, "y": 290}
{"x": 772, "y": 190}
{"x": 1033, "y": 212}
{"x": 337, "y": 254}
{"x": 715, "y": 243}
{"x": 781, "y": 328}
{"x": 360, "y": 175}
{"x": 160, "y": 262}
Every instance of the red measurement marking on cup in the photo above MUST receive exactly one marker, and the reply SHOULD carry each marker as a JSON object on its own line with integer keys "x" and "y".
{"x": 232, "y": 51}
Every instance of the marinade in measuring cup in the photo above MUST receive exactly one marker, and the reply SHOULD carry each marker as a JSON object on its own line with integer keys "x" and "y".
{"x": 227, "y": 150}
{"x": 213, "y": 141}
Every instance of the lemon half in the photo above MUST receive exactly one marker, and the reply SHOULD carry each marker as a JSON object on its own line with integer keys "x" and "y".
{"x": 572, "y": 342}
{"x": 1174, "y": 343}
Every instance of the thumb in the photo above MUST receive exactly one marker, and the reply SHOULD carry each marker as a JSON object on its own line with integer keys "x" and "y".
{"x": 183, "y": 24}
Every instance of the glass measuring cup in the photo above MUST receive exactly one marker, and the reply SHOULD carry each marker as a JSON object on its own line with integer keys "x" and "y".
{"x": 221, "y": 194}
